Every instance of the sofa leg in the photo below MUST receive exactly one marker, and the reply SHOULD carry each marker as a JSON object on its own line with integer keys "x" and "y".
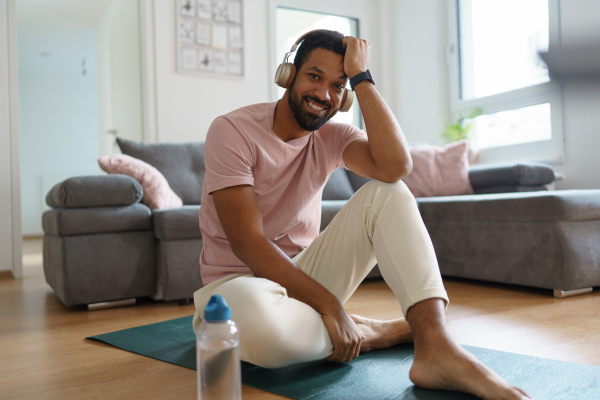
{"x": 111, "y": 304}
{"x": 561, "y": 294}
{"x": 184, "y": 302}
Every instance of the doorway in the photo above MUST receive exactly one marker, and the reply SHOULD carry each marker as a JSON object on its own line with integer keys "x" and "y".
{"x": 71, "y": 66}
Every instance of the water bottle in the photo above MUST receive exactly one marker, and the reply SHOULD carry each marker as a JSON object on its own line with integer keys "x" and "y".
{"x": 218, "y": 367}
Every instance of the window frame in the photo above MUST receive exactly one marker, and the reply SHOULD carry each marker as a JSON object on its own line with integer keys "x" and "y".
{"x": 332, "y": 7}
{"x": 549, "y": 151}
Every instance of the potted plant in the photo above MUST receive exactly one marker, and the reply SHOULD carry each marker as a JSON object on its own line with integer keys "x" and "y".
{"x": 461, "y": 130}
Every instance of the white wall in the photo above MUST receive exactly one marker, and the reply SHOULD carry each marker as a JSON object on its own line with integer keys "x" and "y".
{"x": 58, "y": 107}
{"x": 10, "y": 221}
{"x": 581, "y": 100}
{"x": 417, "y": 36}
{"x": 187, "y": 104}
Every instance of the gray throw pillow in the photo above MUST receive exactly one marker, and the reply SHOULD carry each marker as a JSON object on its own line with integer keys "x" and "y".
{"x": 182, "y": 164}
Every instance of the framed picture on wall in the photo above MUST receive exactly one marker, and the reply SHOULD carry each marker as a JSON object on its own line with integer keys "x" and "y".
{"x": 210, "y": 37}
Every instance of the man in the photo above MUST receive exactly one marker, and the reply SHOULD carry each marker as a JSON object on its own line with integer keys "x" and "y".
{"x": 266, "y": 166}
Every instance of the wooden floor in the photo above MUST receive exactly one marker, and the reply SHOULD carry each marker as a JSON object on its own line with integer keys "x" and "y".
{"x": 44, "y": 354}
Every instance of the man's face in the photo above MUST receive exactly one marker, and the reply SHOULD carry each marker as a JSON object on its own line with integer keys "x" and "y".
{"x": 317, "y": 90}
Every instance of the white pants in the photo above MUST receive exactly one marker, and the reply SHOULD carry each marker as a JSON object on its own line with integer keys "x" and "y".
{"x": 380, "y": 223}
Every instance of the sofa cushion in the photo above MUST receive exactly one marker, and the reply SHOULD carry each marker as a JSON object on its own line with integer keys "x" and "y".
{"x": 521, "y": 174}
{"x": 545, "y": 206}
{"x": 338, "y": 186}
{"x": 95, "y": 191}
{"x": 177, "y": 223}
{"x": 84, "y": 221}
{"x": 157, "y": 192}
{"x": 84, "y": 269}
{"x": 178, "y": 269}
{"x": 329, "y": 208}
{"x": 542, "y": 239}
{"x": 439, "y": 171}
{"x": 182, "y": 164}
{"x": 508, "y": 189}
{"x": 356, "y": 180}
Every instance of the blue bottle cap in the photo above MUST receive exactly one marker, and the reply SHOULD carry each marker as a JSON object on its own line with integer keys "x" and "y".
{"x": 217, "y": 309}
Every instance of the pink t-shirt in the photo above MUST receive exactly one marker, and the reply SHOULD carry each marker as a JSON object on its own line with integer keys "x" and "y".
{"x": 288, "y": 178}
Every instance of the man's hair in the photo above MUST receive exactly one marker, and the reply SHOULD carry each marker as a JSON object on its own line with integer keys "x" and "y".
{"x": 329, "y": 40}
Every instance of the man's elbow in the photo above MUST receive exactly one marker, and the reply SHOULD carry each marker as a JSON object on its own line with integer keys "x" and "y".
{"x": 399, "y": 171}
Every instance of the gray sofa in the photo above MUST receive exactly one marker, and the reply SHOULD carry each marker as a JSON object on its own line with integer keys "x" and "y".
{"x": 101, "y": 244}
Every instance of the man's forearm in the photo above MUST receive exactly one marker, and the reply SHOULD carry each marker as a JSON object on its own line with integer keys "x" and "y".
{"x": 387, "y": 143}
{"x": 266, "y": 260}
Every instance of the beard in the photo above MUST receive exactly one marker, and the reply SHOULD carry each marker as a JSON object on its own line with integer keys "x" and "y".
{"x": 307, "y": 120}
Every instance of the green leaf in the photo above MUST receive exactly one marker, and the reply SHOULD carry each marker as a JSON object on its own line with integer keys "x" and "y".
{"x": 461, "y": 129}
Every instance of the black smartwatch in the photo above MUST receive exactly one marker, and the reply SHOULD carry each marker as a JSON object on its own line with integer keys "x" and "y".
{"x": 363, "y": 76}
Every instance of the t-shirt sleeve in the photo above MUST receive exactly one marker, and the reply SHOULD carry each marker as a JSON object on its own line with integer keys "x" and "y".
{"x": 228, "y": 157}
{"x": 340, "y": 136}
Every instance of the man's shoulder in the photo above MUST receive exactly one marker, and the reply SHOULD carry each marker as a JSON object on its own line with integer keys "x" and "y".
{"x": 248, "y": 122}
{"x": 337, "y": 127}
{"x": 254, "y": 111}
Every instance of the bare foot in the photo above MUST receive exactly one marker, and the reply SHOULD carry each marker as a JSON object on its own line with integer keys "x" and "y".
{"x": 443, "y": 364}
{"x": 450, "y": 367}
{"x": 382, "y": 334}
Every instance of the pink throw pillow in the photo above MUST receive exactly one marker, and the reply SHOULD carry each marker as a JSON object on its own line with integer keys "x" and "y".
{"x": 157, "y": 192}
{"x": 440, "y": 171}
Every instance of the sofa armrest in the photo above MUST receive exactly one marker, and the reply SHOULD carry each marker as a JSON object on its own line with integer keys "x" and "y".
{"x": 94, "y": 220}
{"x": 512, "y": 175}
{"x": 95, "y": 191}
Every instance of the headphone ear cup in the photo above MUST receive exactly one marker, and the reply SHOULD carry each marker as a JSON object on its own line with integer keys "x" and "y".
{"x": 285, "y": 75}
{"x": 347, "y": 100}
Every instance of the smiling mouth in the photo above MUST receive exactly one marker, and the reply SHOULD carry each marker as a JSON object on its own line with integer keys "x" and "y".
{"x": 316, "y": 106}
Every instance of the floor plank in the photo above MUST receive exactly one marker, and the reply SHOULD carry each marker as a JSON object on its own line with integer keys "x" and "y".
{"x": 45, "y": 355}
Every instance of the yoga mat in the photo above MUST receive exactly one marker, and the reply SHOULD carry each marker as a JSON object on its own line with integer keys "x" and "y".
{"x": 379, "y": 375}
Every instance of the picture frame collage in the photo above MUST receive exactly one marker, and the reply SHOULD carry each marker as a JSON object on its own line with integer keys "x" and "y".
{"x": 210, "y": 37}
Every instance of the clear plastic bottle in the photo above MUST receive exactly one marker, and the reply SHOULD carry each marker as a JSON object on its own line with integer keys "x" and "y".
{"x": 218, "y": 367}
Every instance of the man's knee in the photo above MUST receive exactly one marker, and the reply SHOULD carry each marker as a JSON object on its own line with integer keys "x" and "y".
{"x": 251, "y": 297}
{"x": 398, "y": 190}
{"x": 274, "y": 330}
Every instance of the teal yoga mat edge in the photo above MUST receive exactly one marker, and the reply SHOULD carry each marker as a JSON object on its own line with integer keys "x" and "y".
{"x": 173, "y": 341}
{"x": 115, "y": 339}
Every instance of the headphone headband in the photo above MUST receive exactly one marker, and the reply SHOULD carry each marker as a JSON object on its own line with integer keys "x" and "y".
{"x": 301, "y": 38}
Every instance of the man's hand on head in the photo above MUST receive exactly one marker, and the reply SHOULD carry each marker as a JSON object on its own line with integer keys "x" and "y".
{"x": 356, "y": 59}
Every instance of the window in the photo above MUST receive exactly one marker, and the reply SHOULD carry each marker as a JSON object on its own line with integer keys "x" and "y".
{"x": 495, "y": 66}
{"x": 291, "y": 23}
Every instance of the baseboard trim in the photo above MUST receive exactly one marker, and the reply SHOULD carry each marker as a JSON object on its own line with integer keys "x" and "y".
{"x": 31, "y": 237}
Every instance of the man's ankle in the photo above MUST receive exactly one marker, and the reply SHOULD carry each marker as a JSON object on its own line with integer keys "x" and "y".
{"x": 427, "y": 320}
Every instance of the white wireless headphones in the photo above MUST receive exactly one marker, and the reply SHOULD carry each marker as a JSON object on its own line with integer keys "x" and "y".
{"x": 287, "y": 71}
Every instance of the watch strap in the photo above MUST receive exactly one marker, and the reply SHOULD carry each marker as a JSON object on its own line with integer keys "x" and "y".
{"x": 363, "y": 76}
